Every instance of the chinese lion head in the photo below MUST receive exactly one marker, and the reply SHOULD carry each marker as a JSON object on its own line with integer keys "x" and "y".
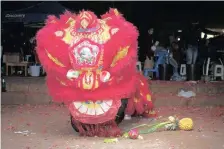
{"x": 91, "y": 66}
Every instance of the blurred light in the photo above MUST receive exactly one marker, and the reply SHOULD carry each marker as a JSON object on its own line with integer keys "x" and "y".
{"x": 179, "y": 31}
{"x": 208, "y": 36}
{"x": 178, "y": 39}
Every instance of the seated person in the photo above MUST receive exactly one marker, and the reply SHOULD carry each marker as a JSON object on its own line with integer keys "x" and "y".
{"x": 176, "y": 52}
{"x": 164, "y": 56}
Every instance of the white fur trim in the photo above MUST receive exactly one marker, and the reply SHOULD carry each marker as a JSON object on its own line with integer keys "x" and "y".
{"x": 72, "y": 74}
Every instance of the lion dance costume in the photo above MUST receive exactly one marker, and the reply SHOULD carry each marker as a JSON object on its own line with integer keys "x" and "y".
{"x": 91, "y": 67}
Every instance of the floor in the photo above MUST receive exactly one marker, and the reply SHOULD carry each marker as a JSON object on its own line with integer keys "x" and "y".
{"x": 48, "y": 127}
{"x": 33, "y": 90}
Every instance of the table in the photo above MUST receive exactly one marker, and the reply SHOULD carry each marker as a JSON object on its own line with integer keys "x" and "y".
{"x": 21, "y": 64}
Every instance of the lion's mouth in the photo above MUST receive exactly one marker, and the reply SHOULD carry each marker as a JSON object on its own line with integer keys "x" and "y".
{"x": 93, "y": 108}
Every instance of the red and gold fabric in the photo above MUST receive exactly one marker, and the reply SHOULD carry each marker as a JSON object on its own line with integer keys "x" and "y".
{"x": 91, "y": 65}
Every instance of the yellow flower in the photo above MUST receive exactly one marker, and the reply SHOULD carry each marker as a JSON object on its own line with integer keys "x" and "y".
{"x": 186, "y": 124}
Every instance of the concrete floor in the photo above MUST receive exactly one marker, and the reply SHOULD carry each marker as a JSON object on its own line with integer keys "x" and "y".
{"x": 33, "y": 90}
{"x": 48, "y": 127}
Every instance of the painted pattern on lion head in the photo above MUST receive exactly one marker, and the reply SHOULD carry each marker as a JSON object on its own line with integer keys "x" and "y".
{"x": 91, "y": 65}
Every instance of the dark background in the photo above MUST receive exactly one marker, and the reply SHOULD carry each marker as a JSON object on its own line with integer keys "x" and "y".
{"x": 144, "y": 10}
{"x": 161, "y": 15}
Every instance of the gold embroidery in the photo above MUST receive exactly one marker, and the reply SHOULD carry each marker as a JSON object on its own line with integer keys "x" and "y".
{"x": 68, "y": 37}
{"x": 88, "y": 80}
{"x": 84, "y": 23}
{"x": 85, "y": 15}
{"x": 148, "y": 97}
{"x": 104, "y": 34}
{"x": 55, "y": 60}
{"x": 120, "y": 55}
{"x": 71, "y": 21}
{"x": 116, "y": 12}
{"x": 100, "y": 36}
{"x": 61, "y": 82}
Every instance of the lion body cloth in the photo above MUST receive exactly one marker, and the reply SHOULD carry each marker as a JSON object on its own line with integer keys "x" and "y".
{"x": 91, "y": 67}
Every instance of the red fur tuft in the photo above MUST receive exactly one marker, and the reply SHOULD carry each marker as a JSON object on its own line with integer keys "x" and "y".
{"x": 51, "y": 19}
{"x": 50, "y": 44}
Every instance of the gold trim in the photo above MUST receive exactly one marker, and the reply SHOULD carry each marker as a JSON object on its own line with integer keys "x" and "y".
{"x": 71, "y": 21}
{"x": 55, "y": 60}
{"x": 120, "y": 55}
{"x": 149, "y": 97}
{"x": 100, "y": 36}
{"x": 61, "y": 82}
{"x": 116, "y": 12}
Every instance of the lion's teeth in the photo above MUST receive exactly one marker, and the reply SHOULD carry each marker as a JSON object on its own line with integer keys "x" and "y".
{"x": 96, "y": 108}
{"x": 109, "y": 102}
{"x": 77, "y": 104}
{"x": 99, "y": 111}
{"x": 83, "y": 109}
{"x": 105, "y": 107}
{"x": 91, "y": 111}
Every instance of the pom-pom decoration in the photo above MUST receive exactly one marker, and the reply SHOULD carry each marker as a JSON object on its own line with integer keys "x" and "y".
{"x": 173, "y": 123}
{"x": 133, "y": 134}
{"x": 186, "y": 124}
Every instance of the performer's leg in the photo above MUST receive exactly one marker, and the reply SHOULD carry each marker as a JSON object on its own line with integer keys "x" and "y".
{"x": 189, "y": 55}
{"x": 195, "y": 55}
{"x": 174, "y": 64}
{"x": 121, "y": 112}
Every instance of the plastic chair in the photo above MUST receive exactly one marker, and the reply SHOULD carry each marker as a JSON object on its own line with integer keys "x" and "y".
{"x": 218, "y": 73}
{"x": 162, "y": 55}
{"x": 183, "y": 69}
{"x": 139, "y": 66}
{"x": 154, "y": 69}
{"x": 215, "y": 69}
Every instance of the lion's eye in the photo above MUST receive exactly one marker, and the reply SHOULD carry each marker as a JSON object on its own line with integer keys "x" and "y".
{"x": 91, "y": 108}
